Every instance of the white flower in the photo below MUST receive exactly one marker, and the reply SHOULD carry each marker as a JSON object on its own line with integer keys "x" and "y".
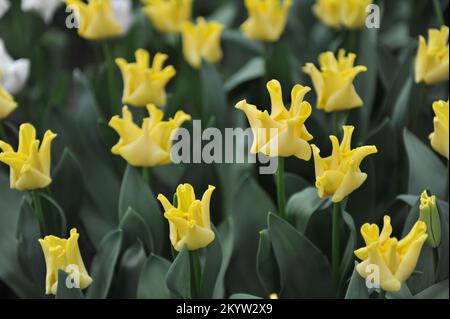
{"x": 4, "y": 6}
{"x": 123, "y": 10}
{"x": 14, "y": 74}
{"x": 45, "y": 8}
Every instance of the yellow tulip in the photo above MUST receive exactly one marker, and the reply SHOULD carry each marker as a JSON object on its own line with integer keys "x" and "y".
{"x": 267, "y": 19}
{"x": 334, "y": 82}
{"x": 189, "y": 222}
{"x": 168, "y": 15}
{"x": 282, "y": 133}
{"x": 149, "y": 145}
{"x": 339, "y": 174}
{"x": 429, "y": 214}
{"x": 7, "y": 103}
{"x": 202, "y": 41}
{"x": 432, "y": 58}
{"x": 96, "y": 19}
{"x": 30, "y": 165}
{"x": 396, "y": 260}
{"x": 143, "y": 84}
{"x": 439, "y": 138}
{"x": 350, "y": 14}
{"x": 64, "y": 254}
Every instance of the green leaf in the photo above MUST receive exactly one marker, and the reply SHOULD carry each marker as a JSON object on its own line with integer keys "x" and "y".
{"x": 255, "y": 68}
{"x": 152, "y": 283}
{"x": 214, "y": 99}
{"x": 294, "y": 183}
{"x": 136, "y": 194}
{"x": 227, "y": 241}
{"x": 10, "y": 269}
{"x": 178, "y": 278}
{"x": 212, "y": 266}
{"x": 29, "y": 250}
{"x": 304, "y": 269}
{"x": 249, "y": 218}
{"x": 134, "y": 228}
{"x": 104, "y": 264}
{"x": 266, "y": 264}
{"x": 303, "y": 204}
{"x": 348, "y": 255}
{"x": 442, "y": 270}
{"x": 403, "y": 293}
{"x": 129, "y": 271}
{"x": 357, "y": 288}
{"x": 437, "y": 291}
{"x": 63, "y": 292}
{"x": 67, "y": 185}
{"x": 401, "y": 106}
{"x": 426, "y": 171}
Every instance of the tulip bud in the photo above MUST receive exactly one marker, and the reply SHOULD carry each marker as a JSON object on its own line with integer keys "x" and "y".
{"x": 429, "y": 214}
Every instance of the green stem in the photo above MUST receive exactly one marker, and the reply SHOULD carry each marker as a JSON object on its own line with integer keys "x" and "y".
{"x": 335, "y": 120}
{"x": 438, "y": 12}
{"x": 435, "y": 258}
{"x": 196, "y": 274}
{"x": 115, "y": 105}
{"x": 335, "y": 244}
{"x": 382, "y": 294}
{"x": 146, "y": 175}
{"x": 447, "y": 184}
{"x": 37, "y": 205}
{"x": 3, "y": 136}
{"x": 281, "y": 194}
{"x": 417, "y": 107}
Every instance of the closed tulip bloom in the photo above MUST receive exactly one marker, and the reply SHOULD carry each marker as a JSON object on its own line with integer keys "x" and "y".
{"x": 202, "y": 41}
{"x": 396, "y": 260}
{"x": 30, "y": 165}
{"x": 339, "y": 174}
{"x": 350, "y": 14}
{"x": 189, "y": 222}
{"x": 96, "y": 19}
{"x": 168, "y": 16}
{"x": 282, "y": 132}
{"x": 144, "y": 84}
{"x": 7, "y": 103}
{"x": 150, "y": 144}
{"x": 267, "y": 19}
{"x": 334, "y": 82}
{"x": 63, "y": 254}
{"x": 439, "y": 138}
{"x": 432, "y": 57}
{"x": 429, "y": 214}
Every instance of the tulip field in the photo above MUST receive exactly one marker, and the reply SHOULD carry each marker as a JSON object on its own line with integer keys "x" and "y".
{"x": 226, "y": 149}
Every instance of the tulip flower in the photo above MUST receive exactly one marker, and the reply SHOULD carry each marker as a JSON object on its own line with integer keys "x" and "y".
{"x": 168, "y": 16}
{"x": 189, "y": 222}
{"x": 7, "y": 103}
{"x": 334, "y": 82}
{"x": 439, "y": 138}
{"x": 202, "y": 41}
{"x": 429, "y": 214}
{"x": 282, "y": 133}
{"x": 30, "y": 165}
{"x": 101, "y": 19}
{"x": 149, "y": 145}
{"x": 4, "y": 7}
{"x": 63, "y": 254}
{"x": 432, "y": 57}
{"x": 13, "y": 73}
{"x": 144, "y": 84}
{"x": 267, "y": 19}
{"x": 350, "y": 14}
{"x": 45, "y": 8}
{"x": 339, "y": 174}
{"x": 396, "y": 260}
